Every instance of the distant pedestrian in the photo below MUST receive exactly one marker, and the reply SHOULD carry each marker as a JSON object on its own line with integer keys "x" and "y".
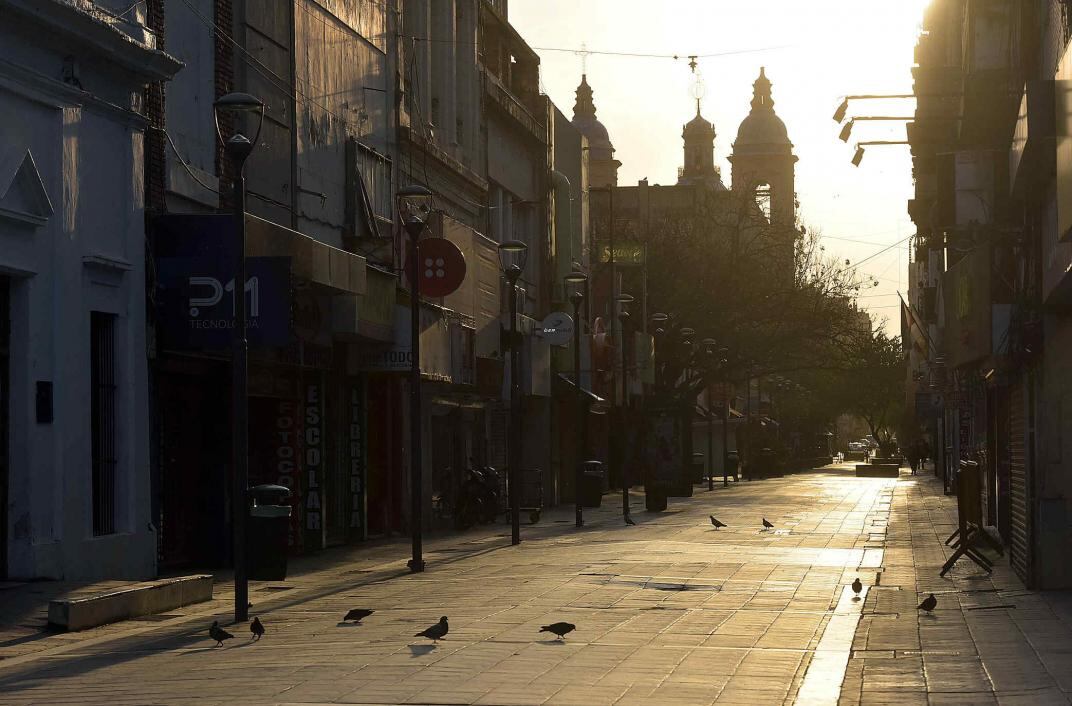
{"x": 913, "y": 457}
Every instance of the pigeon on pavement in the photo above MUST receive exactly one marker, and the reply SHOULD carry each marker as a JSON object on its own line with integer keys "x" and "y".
{"x": 767, "y": 524}
{"x": 358, "y": 614}
{"x": 715, "y": 522}
{"x": 256, "y": 629}
{"x": 436, "y": 632}
{"x": 559, "y": 629}
{"x": 857, "y": 586}
{"x": 218, "y": 634}
{"x": 928, "y": 603}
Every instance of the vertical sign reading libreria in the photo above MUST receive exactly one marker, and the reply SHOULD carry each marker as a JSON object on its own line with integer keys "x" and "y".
{"x": 314, "y": 461}
{"x": 357, "y": 460}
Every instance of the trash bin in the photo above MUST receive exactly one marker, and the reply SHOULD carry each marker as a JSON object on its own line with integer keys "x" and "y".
{"x": 699, "y": 472}
{"x": 266, "y": 533}
{"x": 592, "y": 483}
{"x": 655, "y": 497}
{"x": 765, "y": 467}
{"x": 733, "y": 463}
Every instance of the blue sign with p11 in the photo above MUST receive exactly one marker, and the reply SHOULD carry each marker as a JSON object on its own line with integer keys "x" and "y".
{"x": 195, "y": 268}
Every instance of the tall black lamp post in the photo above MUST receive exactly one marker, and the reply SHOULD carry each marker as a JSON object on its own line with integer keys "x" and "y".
{"x": 577, "y": 281}
{"x": 711, "y": 351}
{"x": 512, "y": 257}
{"x": 722, "y": 352}
{"x": 243, "y": 114}
{"x": 624, "y": 300}
{"x": 414, "y": 203}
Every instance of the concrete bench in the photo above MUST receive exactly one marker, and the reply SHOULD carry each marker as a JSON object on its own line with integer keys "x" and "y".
{"x": 878, "y": 470}
{"x": 147, "y": 598}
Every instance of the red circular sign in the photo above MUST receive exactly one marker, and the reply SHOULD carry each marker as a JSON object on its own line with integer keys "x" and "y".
{"x": 440, "y": 267}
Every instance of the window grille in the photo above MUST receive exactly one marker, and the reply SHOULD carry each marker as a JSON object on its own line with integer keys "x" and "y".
{"x": 104, "y": 420}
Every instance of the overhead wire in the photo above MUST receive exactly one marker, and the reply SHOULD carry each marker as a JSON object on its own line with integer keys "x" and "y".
{"x": 631, "y": 54}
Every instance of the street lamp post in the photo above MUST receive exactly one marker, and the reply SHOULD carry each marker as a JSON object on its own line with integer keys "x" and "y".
{"x": 240, "y": 111}
{"x": 512, "y": 257}
{"x": 623, "y": 300}
{"x": 414, "y": 205}
{"x": 725, "y": 424}
{"x": 578, "y": 281}
{"x": 709, "y": 348}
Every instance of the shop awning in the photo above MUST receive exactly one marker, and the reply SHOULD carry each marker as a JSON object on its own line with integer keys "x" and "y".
{"x": 597, "y": 405}
{"x": 310, "y": 259}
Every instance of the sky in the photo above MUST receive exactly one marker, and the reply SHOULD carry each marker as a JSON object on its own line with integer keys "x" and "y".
{"x": 815, "y": 52}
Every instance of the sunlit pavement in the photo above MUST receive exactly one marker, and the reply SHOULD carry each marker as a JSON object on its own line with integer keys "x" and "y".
{"x": 670, "y": 611}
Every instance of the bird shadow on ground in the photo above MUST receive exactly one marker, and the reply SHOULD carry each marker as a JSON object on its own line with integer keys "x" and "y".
{"x": 929, "y": 616}
{"x": 551, "y": 642}
{"x": 196, "y": 650}
{"x": 347, "y": 625}
{"x": 247, "y": 643}
{"x": 422, "y": 650}
{"x": 855, "y": 598}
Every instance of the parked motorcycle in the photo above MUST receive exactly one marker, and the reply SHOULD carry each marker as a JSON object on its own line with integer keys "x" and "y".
{"x": 478, "y": 497}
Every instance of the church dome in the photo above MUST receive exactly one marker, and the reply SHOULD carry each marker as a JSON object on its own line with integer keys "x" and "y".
{"x": 762, "y": 132}
{"x": 584, "y": 119}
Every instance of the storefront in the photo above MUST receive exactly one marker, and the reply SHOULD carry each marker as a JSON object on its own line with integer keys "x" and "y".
{"x": 306, "y": 416}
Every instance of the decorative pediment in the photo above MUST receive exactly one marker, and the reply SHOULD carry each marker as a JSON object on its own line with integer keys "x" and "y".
{"x": 22, "y": 192}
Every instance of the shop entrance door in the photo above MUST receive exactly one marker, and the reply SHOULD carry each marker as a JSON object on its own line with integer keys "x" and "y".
{"x": 5, "y": 339}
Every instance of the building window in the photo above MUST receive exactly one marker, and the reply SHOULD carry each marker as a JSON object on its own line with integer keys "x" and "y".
{"x": 375, "y": 171}
{"x": 103, "y": 420}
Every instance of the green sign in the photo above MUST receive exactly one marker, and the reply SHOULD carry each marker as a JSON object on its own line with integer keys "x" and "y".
{"x": 624, "y": 253}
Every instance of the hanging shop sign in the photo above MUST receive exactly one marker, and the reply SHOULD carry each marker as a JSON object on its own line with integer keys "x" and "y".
{"x": 441, "y": 267}
{"x": 627, "y": 253}
{"x": 557, "y": 328}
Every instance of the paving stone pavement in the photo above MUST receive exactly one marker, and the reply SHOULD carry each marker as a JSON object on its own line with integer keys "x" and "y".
{"x": 670, "y": 611}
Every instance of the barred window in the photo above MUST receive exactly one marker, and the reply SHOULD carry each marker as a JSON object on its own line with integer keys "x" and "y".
{"x": 103, "y": 420}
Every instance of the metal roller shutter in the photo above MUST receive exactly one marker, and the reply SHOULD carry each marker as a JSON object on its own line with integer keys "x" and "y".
{"x": 1019, "y": 544}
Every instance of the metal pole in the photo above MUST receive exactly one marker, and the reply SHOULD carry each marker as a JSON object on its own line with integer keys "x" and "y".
{"x": 615, "y": 412}
{"x": 625, "y": 405}
{"x": 725, "y": 436}
{"x": 711, "y": 445}
{"x": 514, "y": 472}
{"x": 416, "y": 563}
{"x": 240, "y": 438}
{"x": 581, "y": 420}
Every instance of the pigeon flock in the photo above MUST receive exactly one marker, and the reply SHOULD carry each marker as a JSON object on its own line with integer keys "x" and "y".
{"x": 439, "y": 630}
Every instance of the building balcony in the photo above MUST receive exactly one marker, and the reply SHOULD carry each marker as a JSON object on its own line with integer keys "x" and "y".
{"x": 502, "y": 98}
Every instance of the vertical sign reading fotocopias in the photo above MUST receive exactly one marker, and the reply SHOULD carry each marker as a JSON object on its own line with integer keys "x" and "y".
{"x": 314, "y": 459}
{"x": 286, "y": 448}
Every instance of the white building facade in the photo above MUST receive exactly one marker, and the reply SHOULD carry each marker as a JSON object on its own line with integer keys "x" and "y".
{"x": 74, "y": 430}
